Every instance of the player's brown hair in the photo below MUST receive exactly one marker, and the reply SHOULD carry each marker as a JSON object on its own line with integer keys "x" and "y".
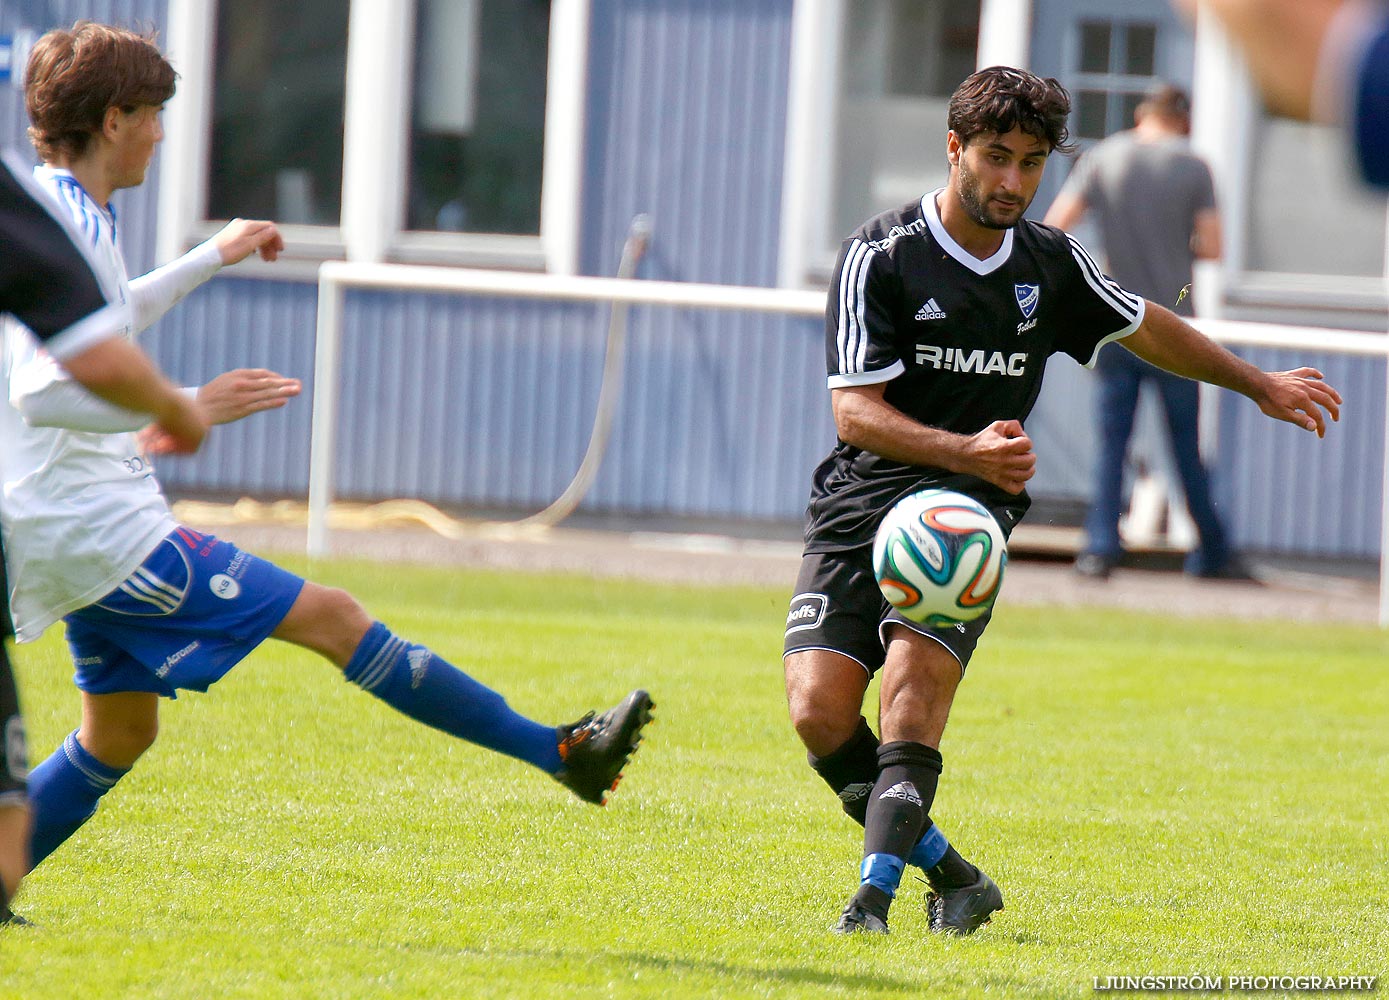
{"x": 999, "y": 99}
{"x": 1169, "y": 101}
{"x": 76, "y": 74}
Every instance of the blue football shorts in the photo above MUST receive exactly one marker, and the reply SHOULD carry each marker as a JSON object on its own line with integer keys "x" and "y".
{"x": 193, "y": 610}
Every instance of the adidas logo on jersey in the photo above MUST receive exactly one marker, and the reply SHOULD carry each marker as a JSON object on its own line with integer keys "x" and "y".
{"x": 930, "y": 311}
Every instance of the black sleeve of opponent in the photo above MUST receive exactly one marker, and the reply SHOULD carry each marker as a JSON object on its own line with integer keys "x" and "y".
{"x": 44, "y": 279}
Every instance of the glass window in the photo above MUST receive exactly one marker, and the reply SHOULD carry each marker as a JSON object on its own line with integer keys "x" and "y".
{"x": 1128, "y": 104}
{"x": 1091, "y": 113}
{"x": 900, "y": 62}
{"x": 279, "y": 82}
{"x": 1329, "y": 225}
{"x": 478, "y": 117}
{"x": 1115, "y": 64}
{"x": 1094, "y": 46}
{"x": 1140, "y": 49}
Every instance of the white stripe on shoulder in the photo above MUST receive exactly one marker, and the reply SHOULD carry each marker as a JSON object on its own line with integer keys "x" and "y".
{"x": 850, "y": 306}
{"x": 853, "y": 334}
{"x": 861, "y": 353}
{"x": 1125, "y": 303}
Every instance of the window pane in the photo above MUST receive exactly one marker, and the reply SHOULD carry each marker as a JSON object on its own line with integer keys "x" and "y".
{"x": 478, "y": 120}
{"x": 1094, "y": 46}
{"x": 1128, "y": 105}
{"x": 1332, "y": 225}
{"x": 1090, "y": 114}
{"x": 900, "y": 62}
{"x": 277, "y": 111}
{"x": 1140, "y": 50}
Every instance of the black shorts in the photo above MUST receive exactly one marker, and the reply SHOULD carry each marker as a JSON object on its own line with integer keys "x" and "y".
{"x": 839, "y": 607}
{"x": 14, "y": 764}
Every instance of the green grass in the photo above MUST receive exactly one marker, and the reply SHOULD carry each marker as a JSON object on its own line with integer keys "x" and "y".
{"x": 1153, "y": 795}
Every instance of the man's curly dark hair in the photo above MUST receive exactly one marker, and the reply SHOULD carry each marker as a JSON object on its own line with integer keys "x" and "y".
{"x": 999, "y": 99}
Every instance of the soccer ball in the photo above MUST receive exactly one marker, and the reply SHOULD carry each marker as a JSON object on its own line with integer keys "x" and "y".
{"x": 939, "y": 558}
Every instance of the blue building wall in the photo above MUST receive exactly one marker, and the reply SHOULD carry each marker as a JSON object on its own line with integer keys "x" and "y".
{"x": 1287, "y": 491}
{"x": 686, "y": 122}
{"x": 488, "y": 402}
{"x": 485, "y": 402}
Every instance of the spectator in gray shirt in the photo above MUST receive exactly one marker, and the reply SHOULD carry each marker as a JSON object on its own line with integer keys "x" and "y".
{"x": 1154, "y": 203}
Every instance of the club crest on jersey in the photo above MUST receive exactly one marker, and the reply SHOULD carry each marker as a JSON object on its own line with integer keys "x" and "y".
{"x": 1028, "y": 296}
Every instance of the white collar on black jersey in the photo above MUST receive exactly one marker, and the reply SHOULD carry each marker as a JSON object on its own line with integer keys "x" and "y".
{"x": 986, "y": 266}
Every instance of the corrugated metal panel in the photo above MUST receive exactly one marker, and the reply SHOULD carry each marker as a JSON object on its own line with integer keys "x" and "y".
{"x": 236, "y": 323}
{"x": 489, "y": 403}
{"x": 725, "y": 416}
{"x": 1283, "y": 489}
{"x": 686, "y": 122}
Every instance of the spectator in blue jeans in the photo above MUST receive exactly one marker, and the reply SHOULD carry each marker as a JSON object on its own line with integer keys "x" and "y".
{"x": 1154, "y": 202}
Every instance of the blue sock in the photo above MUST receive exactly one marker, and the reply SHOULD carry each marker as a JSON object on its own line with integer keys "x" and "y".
{"x": 63, "y": 793}
{"x": 882, "y": 871}
{"x": 416, "y": 682}
{"x": 929, "y": 849}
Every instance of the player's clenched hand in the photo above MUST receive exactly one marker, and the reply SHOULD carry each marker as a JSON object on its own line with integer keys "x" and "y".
{"x": 1299, "y": 397}
{"x": 1001, "y": 454}
{"x": 239, "y": 393}
{"x": 242, "y": 237}
{"x": 179, "y": 428}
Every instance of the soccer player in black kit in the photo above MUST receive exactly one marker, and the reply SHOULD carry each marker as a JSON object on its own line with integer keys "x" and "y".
{"x": 941, "y": 317}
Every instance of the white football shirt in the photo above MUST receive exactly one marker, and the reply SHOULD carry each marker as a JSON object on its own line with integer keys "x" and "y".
{"x": 81, "y": 507}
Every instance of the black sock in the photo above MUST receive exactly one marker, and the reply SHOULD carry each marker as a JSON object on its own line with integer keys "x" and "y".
{"x": 851, "y": 770}
{"x": 952, "y": 872}
{"x": 897, "y": 811}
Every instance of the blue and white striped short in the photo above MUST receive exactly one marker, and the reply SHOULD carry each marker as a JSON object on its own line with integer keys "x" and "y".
{"x": 188, "y": 614}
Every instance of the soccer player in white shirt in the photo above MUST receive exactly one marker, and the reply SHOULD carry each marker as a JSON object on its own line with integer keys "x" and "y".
{"x": 152, "y": 606}
{"x": 47, "y": 281}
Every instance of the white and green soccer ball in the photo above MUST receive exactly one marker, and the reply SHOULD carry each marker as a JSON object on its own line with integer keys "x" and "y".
{"x": 939, "y": 558}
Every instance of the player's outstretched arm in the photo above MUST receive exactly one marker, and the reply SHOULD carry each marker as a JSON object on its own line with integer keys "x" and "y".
{"x": 1000, "y": 453}
{"x": 243, "y": 391}
{"x": 1299, "y": 396}
{"x": 240, "y": 238}
{"x": 155, "y": 293}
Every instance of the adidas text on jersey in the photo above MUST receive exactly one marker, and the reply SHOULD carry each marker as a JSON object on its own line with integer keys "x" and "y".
{"x": 930, "y": 310}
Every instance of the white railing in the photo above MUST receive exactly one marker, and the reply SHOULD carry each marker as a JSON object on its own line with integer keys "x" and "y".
{"x": 335, "y": 277}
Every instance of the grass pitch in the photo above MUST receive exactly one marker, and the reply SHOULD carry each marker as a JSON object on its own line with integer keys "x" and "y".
{"x": 1153, "y": 795}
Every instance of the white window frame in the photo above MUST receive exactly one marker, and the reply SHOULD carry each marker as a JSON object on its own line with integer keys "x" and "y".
{"x": 377, "y": 122}
{"x": 1005, "y": 28}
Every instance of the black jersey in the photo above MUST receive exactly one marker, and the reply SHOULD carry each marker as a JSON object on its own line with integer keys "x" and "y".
{"x": 960, "y": 342}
